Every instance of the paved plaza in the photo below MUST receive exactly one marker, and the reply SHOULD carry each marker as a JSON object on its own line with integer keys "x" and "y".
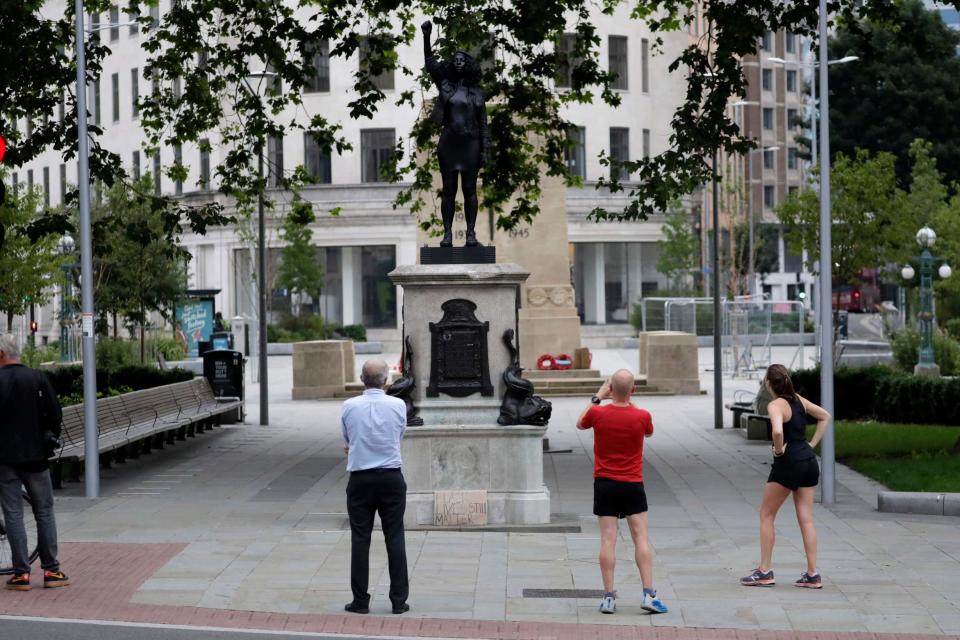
{"x": 252, "y": 519}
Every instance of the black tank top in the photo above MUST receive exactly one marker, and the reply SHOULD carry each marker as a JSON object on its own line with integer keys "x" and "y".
{"x": 795, "y": 433}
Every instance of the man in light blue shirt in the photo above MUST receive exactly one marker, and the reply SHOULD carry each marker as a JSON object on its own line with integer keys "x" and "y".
{"x": 373, "y": 425}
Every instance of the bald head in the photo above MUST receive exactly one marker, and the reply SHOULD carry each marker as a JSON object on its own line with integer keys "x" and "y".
{"x": 621, "y": 385}
{"x": 374, "y": 373}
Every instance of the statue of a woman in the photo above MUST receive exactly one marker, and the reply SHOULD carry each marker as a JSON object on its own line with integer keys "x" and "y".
{"x": 464, "y": 147}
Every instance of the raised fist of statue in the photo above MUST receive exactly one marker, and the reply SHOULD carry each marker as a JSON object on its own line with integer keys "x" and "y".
{"x": 427, "y": 27}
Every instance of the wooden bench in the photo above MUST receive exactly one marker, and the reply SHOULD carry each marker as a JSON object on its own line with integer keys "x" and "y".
{"x": 138, "y": 422}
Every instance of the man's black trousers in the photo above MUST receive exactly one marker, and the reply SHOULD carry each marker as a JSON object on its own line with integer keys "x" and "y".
{"x": 382, "y": 491}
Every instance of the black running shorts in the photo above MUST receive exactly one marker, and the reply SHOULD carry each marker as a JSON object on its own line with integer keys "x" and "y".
{"x": 618, "y": 499}
{"x": 794, "y": 474}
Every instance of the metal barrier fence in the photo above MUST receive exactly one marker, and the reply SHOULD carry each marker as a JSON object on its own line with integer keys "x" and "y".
{"x": 748, "y": 324}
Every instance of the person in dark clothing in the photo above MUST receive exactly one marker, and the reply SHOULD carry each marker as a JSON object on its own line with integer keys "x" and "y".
{"x": 464, "y": 147}
{"x": 794, "y": 470}
{"x": 28, "y": 432}
{"x": 218, "y": 324}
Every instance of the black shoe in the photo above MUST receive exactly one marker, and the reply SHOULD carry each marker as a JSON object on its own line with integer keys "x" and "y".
{"x": 447, "y": 239}
{"x": 356, "y": 607}
{"x": 403, "y": 608}
{"x": 471, "y": 239}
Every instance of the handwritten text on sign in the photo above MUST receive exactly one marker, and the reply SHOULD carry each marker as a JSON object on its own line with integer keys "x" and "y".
{"x": 453, "y": 508}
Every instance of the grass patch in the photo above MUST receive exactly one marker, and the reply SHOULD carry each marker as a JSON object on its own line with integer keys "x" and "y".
{"x": 903, "y": 457}
{"x": 874, "y": 439}
{"x": 937, "y": 472}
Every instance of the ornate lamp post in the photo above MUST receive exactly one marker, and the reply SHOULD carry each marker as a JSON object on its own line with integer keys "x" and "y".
{"x": 926, "y": 237}
{"x": 66, "y": 246}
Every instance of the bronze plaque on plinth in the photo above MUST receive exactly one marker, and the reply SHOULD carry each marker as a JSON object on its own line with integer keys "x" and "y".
{"x": 458, "y": 359}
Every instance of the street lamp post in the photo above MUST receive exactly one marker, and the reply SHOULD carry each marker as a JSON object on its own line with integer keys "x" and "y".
{"x": 66, "y": 246}
{"x": 926, "y": 237}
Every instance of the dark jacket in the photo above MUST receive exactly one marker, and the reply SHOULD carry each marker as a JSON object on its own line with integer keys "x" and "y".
{"x": 28, "y": 407}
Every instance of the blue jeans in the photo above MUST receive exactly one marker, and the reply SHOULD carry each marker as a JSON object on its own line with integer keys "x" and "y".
{"x": 40, "y": 489}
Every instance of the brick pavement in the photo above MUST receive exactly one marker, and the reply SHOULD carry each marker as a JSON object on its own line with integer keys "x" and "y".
{"x": 106, "y": 575}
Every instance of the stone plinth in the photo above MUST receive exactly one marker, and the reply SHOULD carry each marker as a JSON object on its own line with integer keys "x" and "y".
{"x": 322, "y": 368}
{"x": 506, "y": 462}
{"x": 493, "y": 288}
{"x": 669, "y": 360}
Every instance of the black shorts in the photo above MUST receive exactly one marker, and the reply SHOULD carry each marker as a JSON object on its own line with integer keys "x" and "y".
{"x": 794, "y": 474}
{"x": 618, "y": 499}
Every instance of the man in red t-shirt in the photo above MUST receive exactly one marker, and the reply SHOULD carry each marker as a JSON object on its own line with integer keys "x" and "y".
{"x": 619, "y": 429}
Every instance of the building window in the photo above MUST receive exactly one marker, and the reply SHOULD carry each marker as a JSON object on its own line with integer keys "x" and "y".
{"x": 766, "y": 79}
{"x": 376, "y": 151}
{"x": 566, "y": 61}
{"x": 791, "y": 42}
{"x": 769, "y": 197}
{"x": 791, "y": 80}
{"x": 320, "y": 79}
{"x": 134, "y": 26}
{"x": 154, "y": 17}
{"x": 383, "y": 80}
{"x": 379, "y": 305}
{"x": 316, "y": 160}
{"x": 177, "y": 89}
{"x": 792, "y": 158}
{"x": 46, "y": 186}
{"x": 115, "y": 96}
{"x": 135, "y": 92}
{"x": 646, "y": 143}
{"x": 178, "y": 161}
{"x": 645, "y": 65}
{"x": 575, "y": 153}
{"x": 768, "y": 118}
{"x": 768, "y": 159}
{"x": 274, "y": 161}
{"x": 205, "y": 164}
{"x": 766, "y": 42}
{"x": 95, "y": 102}
{"x": 29, "y": 128}
{"x": 793, "y": 191}
{"x": 95, "y": 26}
{"x": 29, "y": 180}
{"x": 619, "y": 152}
{"x": 617, "y": 59}
{"x": 61, "y": 109}
{"x": 114, "y": 24}
{"x": 157, "y": 174}
{"x": 15, "y": 179}
{"x": 793, "y": 120}
{"x": 63, "y": 184}
{"x": 136, "y": 165}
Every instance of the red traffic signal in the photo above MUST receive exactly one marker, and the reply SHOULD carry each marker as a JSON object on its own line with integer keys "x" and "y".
{"x": 33, "y": 326}
{"x": 3, "y": 148}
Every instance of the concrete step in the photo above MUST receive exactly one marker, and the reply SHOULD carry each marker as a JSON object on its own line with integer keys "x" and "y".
{"x": 565, "y": 393}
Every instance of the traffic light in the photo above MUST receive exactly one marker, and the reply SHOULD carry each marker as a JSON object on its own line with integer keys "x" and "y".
{"x": 33, "y": 326}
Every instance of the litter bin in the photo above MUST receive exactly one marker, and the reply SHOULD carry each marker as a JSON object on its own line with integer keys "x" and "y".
{"x": 843, "y": 324}
{"x": 223, "y": 368}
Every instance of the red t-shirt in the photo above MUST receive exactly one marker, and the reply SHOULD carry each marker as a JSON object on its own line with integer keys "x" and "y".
{"x": 618, "y": 434}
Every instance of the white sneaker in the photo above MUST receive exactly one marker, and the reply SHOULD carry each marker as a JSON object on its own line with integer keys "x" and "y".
{"x": 653, "y": 604}
{"x": 608, "y": 604}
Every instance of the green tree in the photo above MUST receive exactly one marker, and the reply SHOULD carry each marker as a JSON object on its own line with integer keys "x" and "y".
{"x": 679, "y": 250}
{"x": 905, "y": 85}
{"x": 211, "y": 45}
{"x": 866, "y": 232}
{"x": 29, "y": 266}
{"x": 299, "y": 271}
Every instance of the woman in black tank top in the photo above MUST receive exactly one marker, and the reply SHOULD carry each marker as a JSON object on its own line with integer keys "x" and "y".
{"x": 794, "y": 470}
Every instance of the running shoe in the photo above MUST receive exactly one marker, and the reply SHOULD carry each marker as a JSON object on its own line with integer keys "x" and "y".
{"x": 608, "y": 604}
{"x": 758, "y": 579}
{"x": 653, "y": 604}
{"x": 19, "y": 582}
{"x": 52, "y": 579}
{"x": 808, "y": 581}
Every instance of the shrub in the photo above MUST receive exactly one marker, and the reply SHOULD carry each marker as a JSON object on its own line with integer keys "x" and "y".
{"x": 116, "y": 353}
{"x": 906, "y": 351}
{"x": 953, "y": 328}
{"x": 355, "y": 332}
{"x": 168, "y": 347}
{"x": 855, "y": 391}
{"x": 34, "y": 356}
{"x": 68, "y": 381}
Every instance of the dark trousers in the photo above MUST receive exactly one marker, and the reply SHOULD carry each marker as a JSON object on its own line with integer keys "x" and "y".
{"x": 383, "y": 492}
{"x": 40, "y": 489}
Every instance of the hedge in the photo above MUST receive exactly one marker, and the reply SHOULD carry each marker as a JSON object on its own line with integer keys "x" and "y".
{"x": 69, "y": 380}
{"x": 884, "y": 394}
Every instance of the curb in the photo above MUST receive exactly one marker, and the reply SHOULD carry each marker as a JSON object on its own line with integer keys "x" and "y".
{"x": 918, "y": 502}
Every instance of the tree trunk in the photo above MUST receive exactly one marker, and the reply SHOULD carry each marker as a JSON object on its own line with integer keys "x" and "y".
{"x": 143, "y": 322}
{"x": 114, "y": 326}
{"x": 9, "y": 321}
